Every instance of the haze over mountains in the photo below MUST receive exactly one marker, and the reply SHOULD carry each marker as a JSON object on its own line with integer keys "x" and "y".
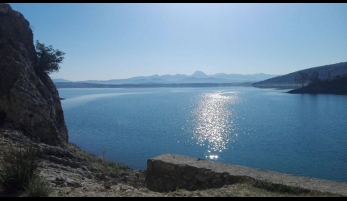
{"x": 196, "y": 77}
{"x": 199, "y": 78}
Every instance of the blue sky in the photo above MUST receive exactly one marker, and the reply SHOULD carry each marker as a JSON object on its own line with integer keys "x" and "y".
{"x": 120, "y": 40}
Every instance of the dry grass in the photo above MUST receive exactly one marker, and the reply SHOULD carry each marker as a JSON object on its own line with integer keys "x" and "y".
{"x": 107, "y": 168}
{"x": 19, "y": 174}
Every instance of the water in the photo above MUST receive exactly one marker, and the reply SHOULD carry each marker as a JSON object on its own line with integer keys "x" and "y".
{"x": 304, "y": 135}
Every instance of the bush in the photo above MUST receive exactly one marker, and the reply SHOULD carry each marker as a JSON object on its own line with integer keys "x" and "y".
{"x": 18, "y": 166}
{"x": 37, "y": 187}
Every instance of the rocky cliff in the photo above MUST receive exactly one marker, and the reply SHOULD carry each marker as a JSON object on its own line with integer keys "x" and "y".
{"x": 29, "y": 102}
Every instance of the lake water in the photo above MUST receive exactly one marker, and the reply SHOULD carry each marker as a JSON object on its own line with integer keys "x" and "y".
{"x": 299, "y": 134}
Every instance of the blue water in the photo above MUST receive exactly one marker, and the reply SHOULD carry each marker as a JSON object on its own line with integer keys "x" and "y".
{"x": 298, "y": 134}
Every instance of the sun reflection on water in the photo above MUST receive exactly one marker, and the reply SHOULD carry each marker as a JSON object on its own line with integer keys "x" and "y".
{"x": 212, "y": 125}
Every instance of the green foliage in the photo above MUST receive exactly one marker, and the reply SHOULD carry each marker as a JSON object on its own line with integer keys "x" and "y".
{"x": 38, "y": 187}
{"x": 107, "y": 184}
{"x": 108, "y": 171}
{"x": 81, "y": 153}
{"x": 48, "y": 59}
{"x": 18, "y": 166}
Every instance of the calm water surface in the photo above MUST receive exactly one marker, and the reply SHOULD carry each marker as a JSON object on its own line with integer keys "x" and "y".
{"x": 304, "y": 135}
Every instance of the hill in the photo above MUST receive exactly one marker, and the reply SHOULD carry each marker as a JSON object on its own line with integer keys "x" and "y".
{"x": 334, "y": 86}
{"x": 287, "y": 81}
{"x": 60, "y": 80}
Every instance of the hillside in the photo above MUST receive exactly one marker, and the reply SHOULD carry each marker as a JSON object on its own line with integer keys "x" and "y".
{"x": 287, "y": 81}
{"x": 335, "y": 86}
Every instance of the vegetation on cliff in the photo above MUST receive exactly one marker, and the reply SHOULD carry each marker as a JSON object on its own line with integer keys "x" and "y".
{"x": 48, "y": 59}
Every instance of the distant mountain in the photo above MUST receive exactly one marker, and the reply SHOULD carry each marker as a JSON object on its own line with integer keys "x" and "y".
{"x": 287, "y": 81}
{"x": 60, "y": 80}
{"x": 148, "y": 85}
{"x": 196, "y": 77}
{"x": 199, "y": 74}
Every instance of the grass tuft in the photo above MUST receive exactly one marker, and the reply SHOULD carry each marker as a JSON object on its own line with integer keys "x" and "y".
{"x": 38, "y": 187}
{"x": 18, "y": 165}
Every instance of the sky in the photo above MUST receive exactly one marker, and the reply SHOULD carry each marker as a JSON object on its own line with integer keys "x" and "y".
{"x": 104, "y": 41}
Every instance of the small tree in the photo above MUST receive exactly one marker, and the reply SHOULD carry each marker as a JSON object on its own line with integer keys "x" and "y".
{"x": 314, "y": 78}
{"x": 301, "y": 78}
{"x": 48, "y": 59}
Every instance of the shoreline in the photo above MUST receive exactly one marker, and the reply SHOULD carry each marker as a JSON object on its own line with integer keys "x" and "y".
{"x": 72, "y": 172}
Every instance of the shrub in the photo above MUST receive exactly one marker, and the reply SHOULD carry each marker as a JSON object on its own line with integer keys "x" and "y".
{"x": 37, "y": 187}
{"x": 18, "y": 166}
{"x": 107, "y": 184}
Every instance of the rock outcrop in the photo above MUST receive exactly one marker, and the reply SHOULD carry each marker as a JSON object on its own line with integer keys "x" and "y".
{"x": 29, "y": 102}
{"x": 67, "y": 169}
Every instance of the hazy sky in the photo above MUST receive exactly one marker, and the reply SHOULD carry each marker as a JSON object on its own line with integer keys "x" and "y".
{"x": 119, "y": 40}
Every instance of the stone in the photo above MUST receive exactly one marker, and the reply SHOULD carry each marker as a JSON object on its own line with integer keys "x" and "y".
{"x": 168, "y": 172}
{"x": 72, "y": 183}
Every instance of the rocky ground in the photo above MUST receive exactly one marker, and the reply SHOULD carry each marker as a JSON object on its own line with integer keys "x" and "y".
{"x": 74, "y": 173}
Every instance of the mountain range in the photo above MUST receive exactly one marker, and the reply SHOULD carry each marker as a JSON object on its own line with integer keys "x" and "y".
{"x": 196, "y": 77}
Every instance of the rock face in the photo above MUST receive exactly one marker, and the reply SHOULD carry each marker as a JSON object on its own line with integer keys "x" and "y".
{"x": 28, "y": 102}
